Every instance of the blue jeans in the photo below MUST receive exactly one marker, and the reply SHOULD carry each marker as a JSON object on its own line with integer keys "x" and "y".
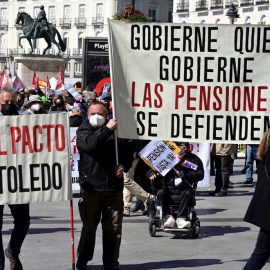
{"x": 20, "y": 213}
{"x": 251, "y": 156}
{"x": 261, "y": 252}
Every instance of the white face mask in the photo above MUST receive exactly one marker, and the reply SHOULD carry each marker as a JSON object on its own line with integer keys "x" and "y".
{"x": 70, "y": 108}
{"x": 96, "y": 120}
{"x": 35, "y": 107}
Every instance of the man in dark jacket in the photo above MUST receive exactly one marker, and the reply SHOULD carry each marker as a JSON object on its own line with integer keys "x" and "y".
{"x": 177, "y": 186}
{"x": 101, "y": 181}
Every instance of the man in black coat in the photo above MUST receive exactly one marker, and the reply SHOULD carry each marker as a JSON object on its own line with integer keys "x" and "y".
{"x": 177, "y": 186}
{"x": 101, "y": 181}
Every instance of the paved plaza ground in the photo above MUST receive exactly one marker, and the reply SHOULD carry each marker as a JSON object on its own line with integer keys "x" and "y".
{"x": 225, "y": 242}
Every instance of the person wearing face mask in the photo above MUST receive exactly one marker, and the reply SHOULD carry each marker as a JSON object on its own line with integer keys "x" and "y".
{"x": 101, "y": 182}
{"x": 177, "y": 186}
{"x": 35, "y": 106}
{"x": 106, "y": 100}
{"x": 58, "y": 104}
{"x": 69, "y": 103}
{"x": 20, "y": 212}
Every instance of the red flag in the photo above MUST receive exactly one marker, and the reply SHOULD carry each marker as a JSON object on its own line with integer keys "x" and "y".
{"x": 4, "y": 79}
{"x": 18, "y": 84}
{"x": 59, "y": 80}
{"x": 35, "y": 80}
{"x": 48, "y": 84}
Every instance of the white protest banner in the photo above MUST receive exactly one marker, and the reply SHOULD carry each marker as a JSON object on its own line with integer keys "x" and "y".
{"x": 194, "y": 82}
{"x": 73, "y": 91}
{"x": 34, "y": 158}
{"x": 159, "y": 156}
{"x": 202, "y": 150}
{"x": 76, "y": 159}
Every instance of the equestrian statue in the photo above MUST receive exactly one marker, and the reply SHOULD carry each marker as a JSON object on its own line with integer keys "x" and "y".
{"x": 39, "y": 28}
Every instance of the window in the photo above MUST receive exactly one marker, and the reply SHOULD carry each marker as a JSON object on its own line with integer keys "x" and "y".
{"x": 21, "y": 9}
{"x": 3, "y": 14}
{"x": 100, "y": 11}
{"x": 263, "y": 20}
{"x": 80, "y": 42}
{"x": 36, "y": 11}
{"x": 78, "y": 68}
{"x": 51, "y": 13}
{"x": 152, "y": 13}
{"x": 247, "y": 20}
{"x": 67, "y": 12}
{"x": 170, "y": 18}
{"x": 82, "y": 11}
{"x": 3, "y": 46}
{"x": 66, "y": 39}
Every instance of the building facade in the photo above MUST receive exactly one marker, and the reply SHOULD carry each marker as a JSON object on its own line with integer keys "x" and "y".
{"x": 74, "y": 19}
{"x": 214, "y": 11}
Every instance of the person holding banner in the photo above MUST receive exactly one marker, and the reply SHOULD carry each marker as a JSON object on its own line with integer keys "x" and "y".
{"x": 101, "y": 181}
{"x": 258, "y": 212}
{"x": 177, "y": 186}
{"x": 20, "y": 212}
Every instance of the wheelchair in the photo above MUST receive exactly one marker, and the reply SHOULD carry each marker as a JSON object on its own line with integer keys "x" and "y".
{"x": 156, "y": 219}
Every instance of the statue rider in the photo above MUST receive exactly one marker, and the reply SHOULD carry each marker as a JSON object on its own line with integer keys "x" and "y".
{"x": 41, "y": 22}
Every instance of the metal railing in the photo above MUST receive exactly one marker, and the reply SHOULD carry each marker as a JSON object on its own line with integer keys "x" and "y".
{"x": 80, "y": 22}
{"x": 52, "y": 21}
{"x": 262, "y": 2}
{"x": 3, "y": 51}
{"x": 201, "y": 5}
{"x": 246, "y": 3}
{"x": 77, "y": 52}
{"x": 182, "y": 7}
{"x": 18, "y": 51}
{"x": 66, "y": 52}
{"x": 228, "y": 3}
{"x": 3, "y": 23}
{"x": 65, "y": 22}
{"x": 97, "y": 20}
{"x": 216, "y": 4}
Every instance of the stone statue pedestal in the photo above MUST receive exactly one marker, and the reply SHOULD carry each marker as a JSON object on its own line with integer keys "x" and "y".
{"x": 42, "y": 65}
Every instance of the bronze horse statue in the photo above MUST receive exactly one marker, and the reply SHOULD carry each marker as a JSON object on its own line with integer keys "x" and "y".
{"x": 29, "y": 25}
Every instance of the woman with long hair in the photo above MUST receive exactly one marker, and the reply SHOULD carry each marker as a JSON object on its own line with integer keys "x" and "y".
{"x": 258, "y": 212}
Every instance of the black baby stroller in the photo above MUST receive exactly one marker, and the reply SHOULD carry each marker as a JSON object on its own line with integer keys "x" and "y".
{"x": 156, "y": 219}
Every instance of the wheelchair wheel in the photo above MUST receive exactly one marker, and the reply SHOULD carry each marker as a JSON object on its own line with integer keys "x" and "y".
{"x": 152, "y": 230}
{"x": 196, "y": 229}
{"x": 152, "y": 225}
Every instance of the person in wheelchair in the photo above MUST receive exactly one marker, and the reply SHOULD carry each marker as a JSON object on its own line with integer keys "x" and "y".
{"x": 177, "y": 186}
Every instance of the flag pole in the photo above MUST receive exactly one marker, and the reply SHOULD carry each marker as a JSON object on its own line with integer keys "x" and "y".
{"x": 112, "y": 91}
{"x": 72, "y": 235}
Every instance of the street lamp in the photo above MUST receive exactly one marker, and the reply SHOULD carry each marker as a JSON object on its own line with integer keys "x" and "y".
{"x": 232, "y": 13}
